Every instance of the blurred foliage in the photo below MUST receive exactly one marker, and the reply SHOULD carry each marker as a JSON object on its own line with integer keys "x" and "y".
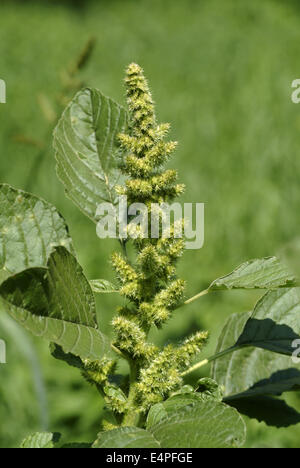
{"x": 221, "y": 73}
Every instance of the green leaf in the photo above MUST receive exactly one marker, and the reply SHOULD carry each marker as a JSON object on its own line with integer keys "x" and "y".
{"x": 126, "y": 437}
{"x": 272, "y": 411}
{"x": 77, "y": 445}
{"x": 29, "y": 230}
{"x": 57, "y": 304}
{"x": 58, "y": 353}
{"x": 209, "y": 388}
{"x": 281, "y": 381}
{"x": 87, "y": 152}
{"x": 251, "y": 371}
{"x": 263, "y": 273}
{"x": 103, "y": 286}
{"x": 115, "y": 393}
{"x": 202, "y": 423}
{"x": 173, "y": 404}
{"x": 274, "y": 323}
{"x": 41, "y": 440}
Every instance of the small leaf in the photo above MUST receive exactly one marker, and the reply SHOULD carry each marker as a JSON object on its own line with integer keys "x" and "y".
{"x": 263, "y": 273}
{"x": 57, "y": 304}
{"x": 209, "y": 388}
{"x": 103, "y": 286}
{"x": 183, "y": 390}
{"x": 87, "y": 151}
{"x": 272, "y": 411}
{"x": 116, "y": 393}
{"x": 40, "y": 440}
{"x": 29, "y": 230}
{"x": 126, "y": 437}
{"x": 200, "y": 424}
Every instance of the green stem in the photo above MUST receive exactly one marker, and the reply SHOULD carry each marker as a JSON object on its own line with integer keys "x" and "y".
{"x": 132, "y": 416}
{"x": 124, "y": 249}
{"x": 194, "y": 298}
{"x": 117, "y": 350}
{"x": 210, "y": 359}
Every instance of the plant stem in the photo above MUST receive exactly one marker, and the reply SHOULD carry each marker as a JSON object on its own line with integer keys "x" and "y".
{"x": 116, "y": 350}
{"x": 132, "y": 416}
{"x": 210, "y": 359}
{"x": 194, "y": 298}
{"x": 123, "y": 246}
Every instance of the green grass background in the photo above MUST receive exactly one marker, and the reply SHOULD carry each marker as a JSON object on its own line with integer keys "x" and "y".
{"x": 221, "y": 73}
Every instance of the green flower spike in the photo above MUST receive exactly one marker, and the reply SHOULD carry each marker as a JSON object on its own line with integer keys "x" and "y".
{"x": 149, "y": 283}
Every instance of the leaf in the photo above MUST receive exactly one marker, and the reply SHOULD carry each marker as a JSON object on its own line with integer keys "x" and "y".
{"x": 103, "y": 286}
{"x": 29, "y": 230}
{"x": 58, "y": 353}
{"x": 272, "y": 411}
{"x": 87, "y": 153}
{"x": 126, "y": 437}
{"x": 200, "y": 424}
{"x": 251, "y": 371}
{"x": 57, "y": 304}
{"x": 77, "y": 445}
{"x": 115, "y": 393}
{"x": 40, "y": 440}
{"x": 274, "y": 323}
{"x": 279, "y": 382}
{"x": 209, "y": 388}
{"x": 263, "y": 273}
{"x": 163, "y": 410}
{"x": 179, "y": 401}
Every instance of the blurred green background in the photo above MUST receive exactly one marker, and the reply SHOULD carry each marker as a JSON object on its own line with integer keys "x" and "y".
{"x": 221, "y": 73}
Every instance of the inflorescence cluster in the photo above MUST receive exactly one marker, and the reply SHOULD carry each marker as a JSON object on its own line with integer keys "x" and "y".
{"x": 149, "y": 284}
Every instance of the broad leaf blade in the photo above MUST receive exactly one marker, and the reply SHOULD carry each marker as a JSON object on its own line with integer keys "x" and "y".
{"x": 77, "y": 445}
{"x": 172, "y": 405}
{"x": 263, "y": 273}
{"x": 251, "y": 371}
{"x": 29, "y": 230}
{"x": 101, "y": 286}
{"x": 272, "y": 411}
{"x": 71, "y": 296}
{"x": 163, "y": 410}
{"x": 80, "y": 340}
{"x": 40, "y": 440}
{"x": 281, "y": 381}
{"x": 87, "y": 150}
{"x": 58, "y": 353}
{"x": 274, "y": 323}
{"x": 57, "y": 304}
{"x": 205, "y": 424}
{"x": 126, "y": 437}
